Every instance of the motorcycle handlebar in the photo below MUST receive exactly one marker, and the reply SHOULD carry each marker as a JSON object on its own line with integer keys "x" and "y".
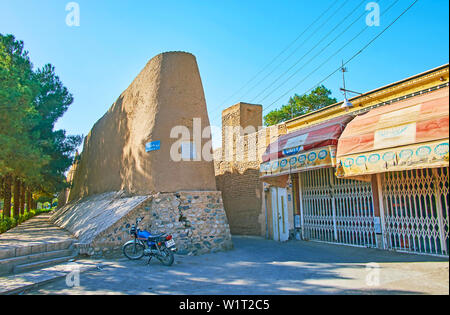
{"x": 139, "y": 220}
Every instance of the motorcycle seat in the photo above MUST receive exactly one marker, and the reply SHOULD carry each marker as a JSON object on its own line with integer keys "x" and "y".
{"x": 156, "y": 236}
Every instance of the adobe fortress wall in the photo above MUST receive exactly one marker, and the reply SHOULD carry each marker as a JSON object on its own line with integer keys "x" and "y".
{"x": 115, "y": 179}
{"x": 167, "y": 93}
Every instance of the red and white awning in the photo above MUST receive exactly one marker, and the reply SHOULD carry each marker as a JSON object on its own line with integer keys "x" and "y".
{"x": 410, "y": 134}
{"x": 310, "y": 148}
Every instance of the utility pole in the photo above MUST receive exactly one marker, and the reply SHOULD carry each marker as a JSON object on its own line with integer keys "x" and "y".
{"x": 344, "y": 70}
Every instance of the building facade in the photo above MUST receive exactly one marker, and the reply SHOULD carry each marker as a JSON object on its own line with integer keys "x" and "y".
{"x": 374, "y": 176}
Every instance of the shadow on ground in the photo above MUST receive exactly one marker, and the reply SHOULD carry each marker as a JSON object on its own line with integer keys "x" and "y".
{"x": 257, "y": 266}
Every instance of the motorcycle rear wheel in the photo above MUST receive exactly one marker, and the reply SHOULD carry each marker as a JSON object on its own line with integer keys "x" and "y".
{"x": 133, "y": 251}
{"x": 167, "y": 258}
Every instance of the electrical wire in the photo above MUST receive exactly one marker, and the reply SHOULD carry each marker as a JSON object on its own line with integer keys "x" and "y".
{"x": 315, "y": 56}
{"x": 280, "y": 54}
{"x": 295, "y": 50}
{"x": 349, "y": 60}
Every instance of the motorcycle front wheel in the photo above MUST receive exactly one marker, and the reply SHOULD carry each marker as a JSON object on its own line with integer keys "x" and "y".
{"x": 167, "y": 258}
{"x": 133, "y": 251}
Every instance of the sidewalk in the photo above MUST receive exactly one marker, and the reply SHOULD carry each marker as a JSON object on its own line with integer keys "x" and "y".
{"x": 35, "y": 252}
{"x": 36, "y": 232}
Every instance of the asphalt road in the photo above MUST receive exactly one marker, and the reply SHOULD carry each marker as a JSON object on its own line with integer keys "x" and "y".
{"x": 257, "y": 267}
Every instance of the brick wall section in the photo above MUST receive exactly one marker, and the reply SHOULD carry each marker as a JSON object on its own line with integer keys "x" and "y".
{"x": 242, "y": 199}
{"x": 238, "y": 178}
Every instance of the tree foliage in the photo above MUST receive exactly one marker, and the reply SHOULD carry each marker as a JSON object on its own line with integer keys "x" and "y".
{"x": 51, "y": 103}
{"x": 31, "y": 102}
{"x": 19, "y": 156}
{"x": 300, "y": 105}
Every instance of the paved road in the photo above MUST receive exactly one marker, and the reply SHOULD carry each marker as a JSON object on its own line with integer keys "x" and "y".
{"x": 257, "y": 266}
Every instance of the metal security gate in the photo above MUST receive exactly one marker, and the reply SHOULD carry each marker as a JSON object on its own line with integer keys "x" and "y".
{"x": 354, "y": 212}
{"x": 336, "y": 210}
{"x": 415, "y": 210}
{"x": 317, "y": 206}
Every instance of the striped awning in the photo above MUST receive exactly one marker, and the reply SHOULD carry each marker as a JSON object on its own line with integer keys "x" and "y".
{"x": 310, "y": 148}
{"x": 410, "y": 134}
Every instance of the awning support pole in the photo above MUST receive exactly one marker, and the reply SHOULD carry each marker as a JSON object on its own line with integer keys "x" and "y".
{"x": 265, "y": 208}
{"x": 381, "y": 204}
{"x": 333, "y": 204}
{"x": 300, "y": 202}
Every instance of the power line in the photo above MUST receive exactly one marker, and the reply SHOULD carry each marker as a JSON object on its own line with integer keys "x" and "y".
{"x": 353, "y": 57}
{"x": 295, "y": 50}
{"x": 312, "y": 49}
{"x": 349, "y": 60}
{"x": 281, "y": 53}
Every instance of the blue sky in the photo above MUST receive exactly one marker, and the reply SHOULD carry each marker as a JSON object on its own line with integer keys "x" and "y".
{"x": 232, "y": 40}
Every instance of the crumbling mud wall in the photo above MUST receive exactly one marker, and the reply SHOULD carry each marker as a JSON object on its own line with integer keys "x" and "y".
{"x": 167, "y": 93}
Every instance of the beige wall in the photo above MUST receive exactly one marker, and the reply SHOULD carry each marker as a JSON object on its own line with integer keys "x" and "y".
{"x": 167, "y": 93}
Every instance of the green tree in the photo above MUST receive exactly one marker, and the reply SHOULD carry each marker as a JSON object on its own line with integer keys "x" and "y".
{"x": 31, "y": 102}
{"x": 20, "y": 156}
{"x": 300, "y": 105}
{"x": 51, "y": 103}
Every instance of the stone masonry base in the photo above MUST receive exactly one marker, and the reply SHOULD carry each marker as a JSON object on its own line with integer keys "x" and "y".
{"x": 197, "y": 221}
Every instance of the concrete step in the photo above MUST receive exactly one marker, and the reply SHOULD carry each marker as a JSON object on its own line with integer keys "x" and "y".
{"x": 17, "y": 284}
{"x": 11, "y": 251}
{"x": 34, "y": 236}
{"x": 42, "y": 264}
{"x": 7, "y": 265}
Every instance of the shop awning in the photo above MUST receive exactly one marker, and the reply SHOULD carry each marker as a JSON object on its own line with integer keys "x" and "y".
{"x": 309, "y": 148}
{"x": 410, "y": 134}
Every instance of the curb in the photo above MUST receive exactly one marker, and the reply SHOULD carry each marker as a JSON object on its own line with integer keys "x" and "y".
{"x": 31, "y": 280}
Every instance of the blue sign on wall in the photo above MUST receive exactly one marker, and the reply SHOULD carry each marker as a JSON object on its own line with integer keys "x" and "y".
{"x": 292, "y": 151}
{"x": 153, "y": 146}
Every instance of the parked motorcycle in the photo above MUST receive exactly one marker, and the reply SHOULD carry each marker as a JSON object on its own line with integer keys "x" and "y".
{"x": 160, "y": 246}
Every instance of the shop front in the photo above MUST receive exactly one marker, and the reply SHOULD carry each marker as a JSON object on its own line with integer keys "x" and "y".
{"x": 373, "y": 175}
{"x": 302, "y": 165}
{"x": 403, "y": 150}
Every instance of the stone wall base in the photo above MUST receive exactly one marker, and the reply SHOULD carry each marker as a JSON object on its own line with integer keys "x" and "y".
{"x": 196, "y": 220}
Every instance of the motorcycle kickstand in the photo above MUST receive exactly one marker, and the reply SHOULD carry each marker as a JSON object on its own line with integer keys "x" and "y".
{"x": 149, "y": 260}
